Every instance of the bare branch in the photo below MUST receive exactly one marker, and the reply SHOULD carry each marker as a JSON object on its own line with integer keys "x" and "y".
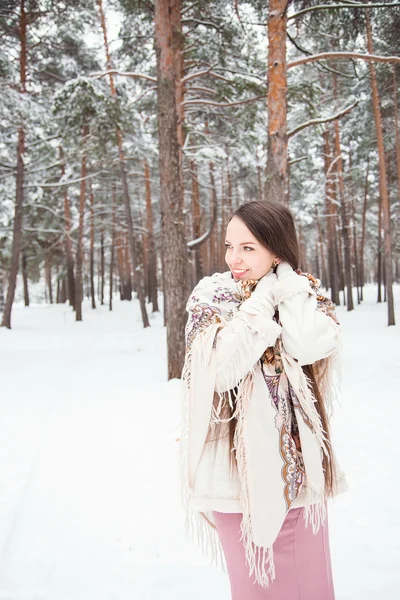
{"x": 358, "y": 55}
{"x": 202, "y": 73}
{"x": 338, "y": 115}
{"x": 123, "y": 74}
{"x": 195, "y": 22}
{"x": 296, "y": 160}
{"x": 308, "y": 53}
{"x": 221, "y": 104}
{"x": 198, "y": 88}
{"x": 140, "y": 96}
{"x": 63, "y": 183}
{"x": 334, "y": 6}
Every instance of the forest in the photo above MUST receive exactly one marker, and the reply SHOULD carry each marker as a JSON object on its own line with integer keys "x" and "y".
{"x": 131, "y": 129}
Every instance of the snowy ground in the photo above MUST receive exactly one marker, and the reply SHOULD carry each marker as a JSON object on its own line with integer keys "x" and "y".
{"x": 89, "y": 503}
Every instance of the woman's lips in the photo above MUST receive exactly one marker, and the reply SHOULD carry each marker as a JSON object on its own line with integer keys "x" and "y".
{"x": 239, "y": 272}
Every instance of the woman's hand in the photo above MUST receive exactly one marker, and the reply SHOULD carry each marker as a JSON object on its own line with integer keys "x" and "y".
{"x": 264, "y": 285}
{"x": 284, "y": 270}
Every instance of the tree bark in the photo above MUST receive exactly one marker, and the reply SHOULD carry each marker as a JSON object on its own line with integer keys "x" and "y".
{"x": 343, "y": 208}
{"x": 196, "y": 221}
{"x": 112, "y": 251}
{"x": 47, "y": 272}
{"x": 330, "y": 209}
{"x": 363, "y": 230}
{"x": 397, "y": 133}
{"x": 102, "y": 259}
{"x": 25, "y": 279}
{"x": 68, "y": 242}
{"x": 322, "y": 273}
{"x": 91, "y": 255}
{"x": 168, "y": 40}
{"x": 152, "y": 255}
{"x": 387, "y": 242}
{"x": 276, "y": 183}
{"x": 79, "y": 246}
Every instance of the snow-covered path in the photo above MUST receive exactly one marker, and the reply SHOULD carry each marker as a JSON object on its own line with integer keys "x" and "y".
{"x": 89, "y": 501}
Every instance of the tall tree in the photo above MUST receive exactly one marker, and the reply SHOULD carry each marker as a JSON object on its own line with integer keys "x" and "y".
{"x": 383, "y": 188}
{"x": 168, "y": 41}
{"x": 24, "y": 19}
{"x": 137, "y": 266}
{"x": 276, "y": 183}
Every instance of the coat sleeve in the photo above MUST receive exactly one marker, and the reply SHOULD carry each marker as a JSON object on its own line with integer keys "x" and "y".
{"x": 308, "y": 334}
{"x": 240, "y": 342}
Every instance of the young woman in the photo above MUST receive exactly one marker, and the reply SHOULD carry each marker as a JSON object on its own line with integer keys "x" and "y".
{"x": 258, "y": 467}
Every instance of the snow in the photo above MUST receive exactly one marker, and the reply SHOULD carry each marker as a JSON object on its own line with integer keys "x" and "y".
{"x": 89, "y": 498}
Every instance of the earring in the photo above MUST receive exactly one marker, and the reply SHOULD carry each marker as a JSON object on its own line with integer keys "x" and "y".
{"x": 274, "y": 263}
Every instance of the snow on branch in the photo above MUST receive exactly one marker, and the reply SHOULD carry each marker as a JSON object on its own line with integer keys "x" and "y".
{"x": 358, "y": 55}
{"x": 334, "y": 6}
{"x": 198, "y": 88}
{"x": 204, "y": 72}
{"x": 338, "y": 115}
{"x": 222, "y": 104}
{"x": 123, "y": 74}
{"x": 63, "y": 183}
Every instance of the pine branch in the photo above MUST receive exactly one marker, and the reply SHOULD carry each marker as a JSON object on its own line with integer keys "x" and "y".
{"x": 335, "y": 6}
{"x": 358, "y": 55}
{"x": 338, "y": 115}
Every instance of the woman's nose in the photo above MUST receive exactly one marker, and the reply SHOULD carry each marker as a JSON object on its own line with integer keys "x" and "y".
{"x": 236, "y": 259}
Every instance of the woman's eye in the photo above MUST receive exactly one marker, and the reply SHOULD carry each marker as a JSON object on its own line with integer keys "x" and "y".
{"x": 248, "y": 248}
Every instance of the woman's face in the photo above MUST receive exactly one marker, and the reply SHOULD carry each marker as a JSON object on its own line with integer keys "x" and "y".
{"x": 245, "y": 256}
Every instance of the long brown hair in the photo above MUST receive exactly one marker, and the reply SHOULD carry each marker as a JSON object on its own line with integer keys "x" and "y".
{"x": 272, "y": 224}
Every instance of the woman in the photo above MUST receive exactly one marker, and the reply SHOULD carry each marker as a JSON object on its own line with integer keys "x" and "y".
{"x": 258, "y": 467}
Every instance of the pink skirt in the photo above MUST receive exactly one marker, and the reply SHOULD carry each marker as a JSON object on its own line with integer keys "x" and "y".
{"x": 302, "y": 560}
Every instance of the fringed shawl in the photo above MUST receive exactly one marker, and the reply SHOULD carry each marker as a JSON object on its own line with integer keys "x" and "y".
{"x": 260, "y": 457}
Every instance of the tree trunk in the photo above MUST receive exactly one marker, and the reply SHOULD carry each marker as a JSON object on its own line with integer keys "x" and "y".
{"x": 112, "y": 252}
{"x": 152, "y": 255}
{"x": 259, "y": 182}
{"x": 343, "y": 209}
{"x": 79, "y": 245}
{"x": 363, "y": 229}
{"x": 330, "y": 209}
{"x": 17, "y": 229}
{"x": 198, "y": 269}
{"x": 102, "y": 260}
{"x": 25, "y": 279}
{"x": 91, "y": 256}
{"x": 174, "y": 248}
{"x": 19, "y": 195}
{"x": 322, "y": 273}
{"x": 397, "y": 132}
{"x": 133, "y": 245}
{"x": 276, "y": 183}
{"x": 214, "y": 233}
{"x": 47, "y": 274}
{"x": 68, "y": 242}
{"x": 387, "y": 243}
{"x": 355, "y": 250}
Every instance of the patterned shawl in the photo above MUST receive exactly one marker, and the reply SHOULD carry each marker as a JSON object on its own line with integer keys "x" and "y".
{"x": 292, "y": 441}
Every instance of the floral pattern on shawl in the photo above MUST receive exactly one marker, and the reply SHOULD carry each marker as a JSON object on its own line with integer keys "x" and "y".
{"x": 293, "y": 473}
